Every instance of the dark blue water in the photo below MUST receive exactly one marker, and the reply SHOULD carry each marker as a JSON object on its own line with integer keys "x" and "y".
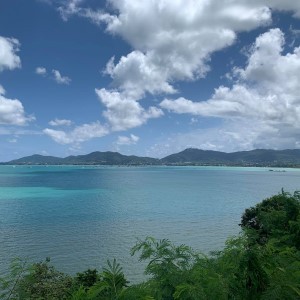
{"x": 81, "y": 217}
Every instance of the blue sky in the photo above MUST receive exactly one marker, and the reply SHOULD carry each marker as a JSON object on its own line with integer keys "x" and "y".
{"x": 148, "y": 77}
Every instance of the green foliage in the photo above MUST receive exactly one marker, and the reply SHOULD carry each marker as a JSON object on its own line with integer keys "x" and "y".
{"x": 87, "y": 278}
{"x": 283, "y": 271}
{"x": 142, "y": 291}
{"x": 80, "y": 294}
{"x": 276, "y": 217}
{"x": 9, "y": 284}
{"x": 112, "y": 283}
{"x": 167, "y": 264}
{"x": 45, "y": 282}
{"x": 272, "y": 229}
{"x": 204, "y": 281}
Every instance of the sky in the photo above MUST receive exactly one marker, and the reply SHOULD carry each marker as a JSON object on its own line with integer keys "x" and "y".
{"x": 149, "y": 78}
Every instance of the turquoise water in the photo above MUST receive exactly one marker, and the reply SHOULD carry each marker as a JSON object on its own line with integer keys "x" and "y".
{"x": 82, "y": 216}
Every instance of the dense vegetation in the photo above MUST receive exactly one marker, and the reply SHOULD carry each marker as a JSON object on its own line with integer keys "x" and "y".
{"x": 263, "y": 262}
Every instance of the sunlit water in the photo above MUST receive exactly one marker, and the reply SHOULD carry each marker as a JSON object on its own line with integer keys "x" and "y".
{"x": 82, "y": 216}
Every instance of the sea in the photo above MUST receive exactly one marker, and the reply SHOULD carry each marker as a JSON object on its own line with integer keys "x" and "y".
{"x": 82, "y": 216}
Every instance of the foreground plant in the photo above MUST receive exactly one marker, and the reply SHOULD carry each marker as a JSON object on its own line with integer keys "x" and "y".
{"x": 9, "y": 284}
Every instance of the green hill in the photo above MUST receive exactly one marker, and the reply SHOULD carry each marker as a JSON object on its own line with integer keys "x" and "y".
{"x": 258, "y": 157}
{"x": 190, "y": 156}
{"x": 94, "y": 158}
{"x": 110, "y": 158}
{"x": 36, "y": 159}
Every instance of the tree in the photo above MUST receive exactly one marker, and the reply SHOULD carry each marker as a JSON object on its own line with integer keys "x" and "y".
{"x": 276, "y": 217}
{"x": 167, "y": 266}
{"x": 272, "y": 227}
{"x": 87, "y": 278}
{"x": 9, "y": 284}
{"x": 112, "y": 283}
{"x": 45, "y": 282}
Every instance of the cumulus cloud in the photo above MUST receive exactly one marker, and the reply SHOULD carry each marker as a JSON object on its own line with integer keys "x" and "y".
{"x": 227, "y": 103}
{"x": 60, "y": 122}
{"x": 267, "y": 87}
{"x": 127, "y": 140}
{"x": 12, "y": 111}
{"x": 124, "y": 113}
{"x": 266, "y": 92}
{"x": 173, "y": 41}
{"x": 127, "y": 77}
{"x": 41, "y": 71}
{"x": 79, "y": 134}
{"x": 59, "y": 78}
{"x": 8, "y": 57}
{"x": 121, "y": 114}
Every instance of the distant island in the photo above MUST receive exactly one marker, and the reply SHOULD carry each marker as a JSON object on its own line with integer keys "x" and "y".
{"x": 188, "y": 157}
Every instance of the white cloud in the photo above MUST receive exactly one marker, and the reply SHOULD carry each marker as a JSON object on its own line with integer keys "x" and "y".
{"x": 12, "y": 111}
{"x": 138, "y": 73}
{"x": 145, "y": 25}
{"x": 121, "y": 113}
{"x": 267, "y": 89}
{"x": 127, "y": 140}
{"x": 227, "y": 103}
{"x": 266, "y": 94}
{"x": 59, "y": 78}
{"x": 8, "y": 57}
{"x": 173, "y": 40}
{"x": 124, "y": 113}
{"x": 79, "y": 134}
{"x": 41, "y": 71}
{"x": 72, "y": 7}
{"x": 69, "y": 8}
{"x": 60, "y": 122}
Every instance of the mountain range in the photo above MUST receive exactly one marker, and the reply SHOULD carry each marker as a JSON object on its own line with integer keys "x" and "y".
{"x": 190, "y": 156}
